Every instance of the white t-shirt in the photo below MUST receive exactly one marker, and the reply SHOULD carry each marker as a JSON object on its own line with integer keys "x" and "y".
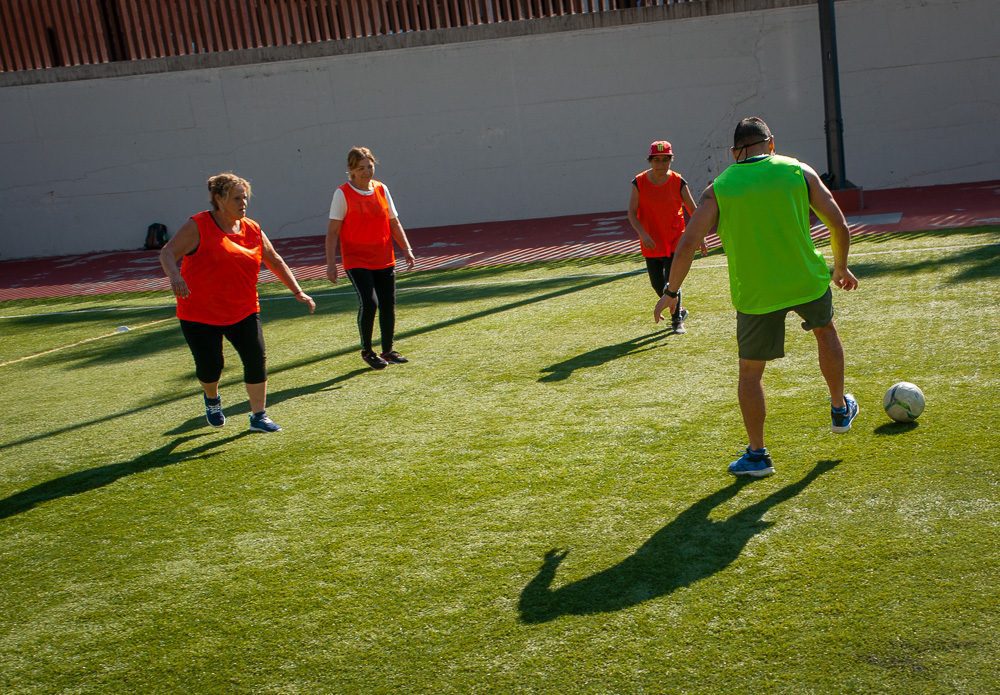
{"x": 338, "y": 206}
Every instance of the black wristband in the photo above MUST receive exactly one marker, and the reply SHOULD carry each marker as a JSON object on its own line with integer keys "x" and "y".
{"x": 672, "y": 295}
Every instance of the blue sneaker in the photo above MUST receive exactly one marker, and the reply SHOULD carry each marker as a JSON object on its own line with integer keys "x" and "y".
{"x": 756, "y": 464}
{"x": 843, "y": 417}
{"x": 213, "y": 411}
{"x": 260, "y": 422}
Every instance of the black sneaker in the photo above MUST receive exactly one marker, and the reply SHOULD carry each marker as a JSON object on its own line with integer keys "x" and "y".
{"x": 393, "y": 357}
{"x": 260, "y": 422}
{"x": 677, "y": 322}
{"x": 373, "y": 360}
{"x": 213, "y": 411}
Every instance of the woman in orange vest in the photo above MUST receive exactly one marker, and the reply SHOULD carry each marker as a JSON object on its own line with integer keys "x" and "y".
{"x": 364, "y": 222}
{"x": 656, "y": 212}
{"x": 220, "y": 252}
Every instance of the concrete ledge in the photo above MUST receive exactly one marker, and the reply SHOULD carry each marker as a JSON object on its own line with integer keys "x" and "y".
{"x": 434, "y": 37}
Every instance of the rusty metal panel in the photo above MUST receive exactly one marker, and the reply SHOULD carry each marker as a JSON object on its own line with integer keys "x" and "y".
{"x": 295, "y": 34}
{"x": 45, "y": 33}
{"x": 241, "y": 25}
{"x": 37, "y": 52}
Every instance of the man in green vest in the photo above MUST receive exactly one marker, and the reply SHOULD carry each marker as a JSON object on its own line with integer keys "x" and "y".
{"x": 761, "y": 206}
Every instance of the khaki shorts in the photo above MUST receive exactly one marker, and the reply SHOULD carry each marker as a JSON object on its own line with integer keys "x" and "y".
{"x": 762, "y": 336}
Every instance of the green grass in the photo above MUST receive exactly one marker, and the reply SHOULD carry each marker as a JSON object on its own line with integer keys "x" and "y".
{"x": 536, "y": 503}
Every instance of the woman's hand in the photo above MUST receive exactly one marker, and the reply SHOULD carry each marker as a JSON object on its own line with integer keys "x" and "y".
{"x": 410, "y": 258}
{"x": 704, "y": 249}
{"x": 179, "y": 288}
{"x": 332, "y": 273}
{"x": 184, "y": 242}
{"x": 307, "y": 300}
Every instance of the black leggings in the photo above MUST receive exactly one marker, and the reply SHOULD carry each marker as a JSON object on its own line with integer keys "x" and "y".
{"x": 205, "y": 341}
{"x": 659, "y": 274}
{"x": 376, "y": 292}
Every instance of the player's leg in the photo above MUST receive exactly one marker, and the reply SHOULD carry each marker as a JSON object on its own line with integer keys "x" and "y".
{"x": 755, "y": 461}
{"x": 680, "y": 313}
{"x": 205, "y": 343}
{"x": 363, "y": 282}
{"x": 247, "y": 338}
{"x": 843, "y": 406}
{"x": 818, "y": 317}
{"x": 760, "y": 337}
{"x": 384, "y": 282}
{"x": 658, "y": 276}
{"x": 831, "y": 361}
{"x": 751, "y": 396}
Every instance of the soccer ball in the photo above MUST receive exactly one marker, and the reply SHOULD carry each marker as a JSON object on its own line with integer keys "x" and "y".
{"x": 903, "y": 402}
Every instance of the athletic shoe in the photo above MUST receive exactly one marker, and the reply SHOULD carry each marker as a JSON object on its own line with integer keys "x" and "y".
{"x": 373, "y": 360}
{"x": 756, "y": 464}
{"x": 213, "y": 411}
{"x": 260, "y": 422}
{"x": 393, "y": 357}
{"x": 677, "y": 322}
{"x": 843, "y": 417}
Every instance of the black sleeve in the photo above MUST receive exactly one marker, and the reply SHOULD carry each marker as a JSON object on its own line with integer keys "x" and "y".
{"x": 635, "y": 183}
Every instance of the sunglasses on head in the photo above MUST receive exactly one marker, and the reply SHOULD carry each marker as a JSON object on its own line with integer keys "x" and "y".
{"x": 743, "y": 147}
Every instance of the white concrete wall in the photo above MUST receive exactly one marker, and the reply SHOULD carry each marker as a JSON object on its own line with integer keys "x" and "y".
{"x": 529, "y": 126}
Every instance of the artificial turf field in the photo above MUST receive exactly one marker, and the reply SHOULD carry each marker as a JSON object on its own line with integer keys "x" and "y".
{"x": 538, "y": 502}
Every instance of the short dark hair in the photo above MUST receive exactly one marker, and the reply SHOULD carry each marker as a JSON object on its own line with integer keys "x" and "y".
{"x": 749, "y": 131}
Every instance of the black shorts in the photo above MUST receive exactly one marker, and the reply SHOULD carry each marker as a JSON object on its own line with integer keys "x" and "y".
{"x": 762, "y": 336}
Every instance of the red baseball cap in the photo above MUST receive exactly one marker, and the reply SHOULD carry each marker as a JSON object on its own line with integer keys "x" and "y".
{"x": 660, "y": 147}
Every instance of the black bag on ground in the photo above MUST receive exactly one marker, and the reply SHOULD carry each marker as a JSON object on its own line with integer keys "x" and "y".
{"x": 156, "y": 236}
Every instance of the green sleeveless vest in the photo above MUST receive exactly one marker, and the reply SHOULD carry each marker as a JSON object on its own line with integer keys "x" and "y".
{"x": 764, "y": 228}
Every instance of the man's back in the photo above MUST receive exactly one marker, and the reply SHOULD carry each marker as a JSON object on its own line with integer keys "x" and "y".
{"x": 764, "y": 227}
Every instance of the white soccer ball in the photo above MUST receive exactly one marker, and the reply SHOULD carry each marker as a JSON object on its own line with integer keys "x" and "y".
{"x": 903, "y": 402}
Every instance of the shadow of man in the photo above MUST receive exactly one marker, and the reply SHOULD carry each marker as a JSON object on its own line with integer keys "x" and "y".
{"x": 601, "y": 355}
{"x": 93, "y": 478}
{"x": 689, "y": 548}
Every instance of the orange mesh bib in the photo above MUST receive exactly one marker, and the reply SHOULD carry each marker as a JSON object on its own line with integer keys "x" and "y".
{"x": 661, "y": 211}
{"x": 365, "y": 238}
{"x": 221, "y": 273}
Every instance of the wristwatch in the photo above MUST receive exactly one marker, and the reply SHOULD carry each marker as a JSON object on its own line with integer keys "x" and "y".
{"x": 671, "y": 294}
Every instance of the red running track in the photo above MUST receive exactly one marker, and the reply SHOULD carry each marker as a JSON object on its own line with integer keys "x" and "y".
{"x": 494, "y": 243}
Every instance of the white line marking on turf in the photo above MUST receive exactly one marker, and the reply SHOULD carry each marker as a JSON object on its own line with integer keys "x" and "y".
{"x": 79, "y": 342}
{"x": 408, "y": 288}
{"x": 926, "y": 248}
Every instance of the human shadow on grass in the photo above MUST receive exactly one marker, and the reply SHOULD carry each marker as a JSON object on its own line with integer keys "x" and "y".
{"x": 273, "y": 398}
{"x": 560, "y": 291}
{"x": 598, "y": 356}
{"x": 690, "y": 548}
{"x": 166, "y": 337}
{"x": 93, "y": 478}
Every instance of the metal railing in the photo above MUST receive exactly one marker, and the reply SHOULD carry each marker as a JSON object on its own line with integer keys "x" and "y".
{"x": 37, "y": 34}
